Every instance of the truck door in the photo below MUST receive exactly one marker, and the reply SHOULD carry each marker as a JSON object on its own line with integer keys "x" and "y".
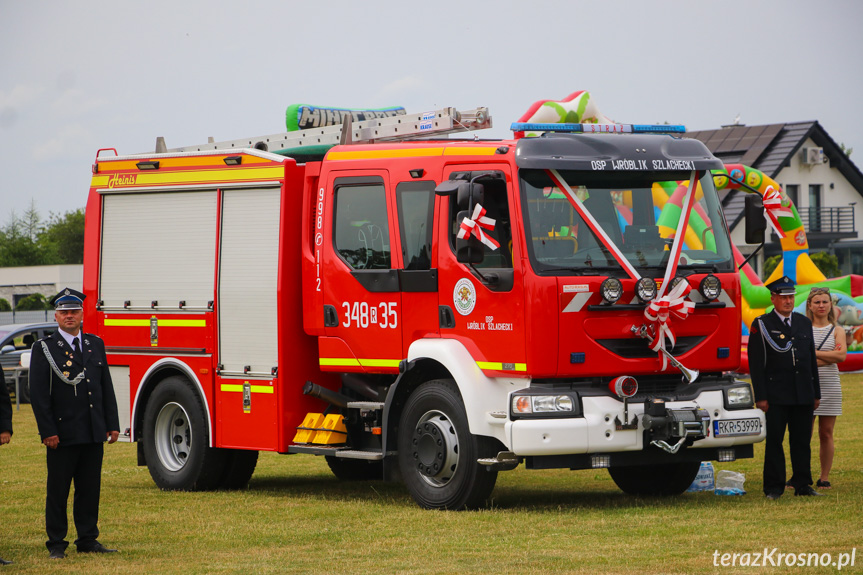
{"x": 418, "y": 277}
{"x": 360, "y": 281}
{"x": 482, "y": 304}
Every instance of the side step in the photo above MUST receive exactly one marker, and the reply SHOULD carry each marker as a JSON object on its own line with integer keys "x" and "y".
{"x": 366, "y": 405}
{"x": 504, "y": 461}
{"x": 341, "y": 452}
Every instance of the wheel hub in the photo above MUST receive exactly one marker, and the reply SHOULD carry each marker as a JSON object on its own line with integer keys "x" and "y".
{"x": 172, "y": 436}
{"x": 435, "y": 448}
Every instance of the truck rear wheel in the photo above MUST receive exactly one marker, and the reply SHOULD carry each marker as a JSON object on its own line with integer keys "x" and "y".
{"x": 176, "y": 439}
{"x": 355, "y": 469}
{"x": 438, "y": 454}
{"x": 667, "y": 479}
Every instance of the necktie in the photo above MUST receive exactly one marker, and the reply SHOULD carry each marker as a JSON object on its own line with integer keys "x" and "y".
{"x": 77, "y": 347}
{"x": 787, "y": 323}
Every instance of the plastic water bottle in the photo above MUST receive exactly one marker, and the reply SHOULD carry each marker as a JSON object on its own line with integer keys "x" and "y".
{"x": 704, "y": 480}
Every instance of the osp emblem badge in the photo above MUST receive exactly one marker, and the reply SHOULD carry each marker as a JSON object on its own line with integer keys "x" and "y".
{"x": 464, "y": 296}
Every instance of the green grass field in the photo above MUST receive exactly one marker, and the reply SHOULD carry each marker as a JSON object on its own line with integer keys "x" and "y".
{"x": 295, "y": 517}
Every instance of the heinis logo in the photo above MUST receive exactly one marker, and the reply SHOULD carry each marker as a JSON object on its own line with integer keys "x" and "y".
{"x": 120, "y": 180}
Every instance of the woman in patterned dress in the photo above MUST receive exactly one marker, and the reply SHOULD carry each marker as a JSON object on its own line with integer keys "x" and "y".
{"x": 830, "y": 349}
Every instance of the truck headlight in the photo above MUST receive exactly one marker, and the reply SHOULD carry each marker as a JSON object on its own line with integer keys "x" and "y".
{"x": 740, "y": 396}
{"x": 528, "y": 404}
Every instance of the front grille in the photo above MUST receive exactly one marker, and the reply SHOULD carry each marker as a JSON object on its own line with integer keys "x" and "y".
{"x": 636, "y": 347}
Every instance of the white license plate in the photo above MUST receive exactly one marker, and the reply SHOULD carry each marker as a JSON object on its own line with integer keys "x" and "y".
{"x": 729, "y": 427}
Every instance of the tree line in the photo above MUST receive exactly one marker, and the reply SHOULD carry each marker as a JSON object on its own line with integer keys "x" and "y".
{"x": 30, "y": 240}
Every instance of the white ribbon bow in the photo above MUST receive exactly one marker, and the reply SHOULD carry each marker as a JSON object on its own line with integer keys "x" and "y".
{"x": 659, "y": 311}
{"x": 474, "y": 225}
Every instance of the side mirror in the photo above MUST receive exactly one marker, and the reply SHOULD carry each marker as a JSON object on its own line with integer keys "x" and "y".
{"x": 469, "y": 195}
{"x": 753, "y": 212}
{"x": 469, "y": 250}
{"x": 7, "y": 348}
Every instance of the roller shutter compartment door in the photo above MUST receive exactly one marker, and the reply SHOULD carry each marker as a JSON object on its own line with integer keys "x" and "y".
{"x": 158, "y": 247}
{"x": 247, "y": 281}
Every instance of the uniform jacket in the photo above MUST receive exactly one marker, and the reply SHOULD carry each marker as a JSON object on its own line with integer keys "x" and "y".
{"x": 789, "y": 378}
{"x": 5, "y": 406}
{"x": 78, "y": 417}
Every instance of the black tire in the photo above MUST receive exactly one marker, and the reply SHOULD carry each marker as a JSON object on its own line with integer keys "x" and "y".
{"x": 25, "y": 391}
{"x": 355, "y": 469}
{"x": 239, "y": 467}
{"x": 667, "y": 479}
{"x": 437, "y": 452}
{"x": 176, "y": 439}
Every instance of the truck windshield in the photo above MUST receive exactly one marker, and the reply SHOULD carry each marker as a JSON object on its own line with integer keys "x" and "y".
{"x": 638, "y": 211}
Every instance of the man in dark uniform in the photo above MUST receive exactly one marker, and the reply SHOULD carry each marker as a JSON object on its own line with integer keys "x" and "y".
{"x": 785, "y": 381}
{"x": 5, "y": 423}
{"x": 73, "y": 400}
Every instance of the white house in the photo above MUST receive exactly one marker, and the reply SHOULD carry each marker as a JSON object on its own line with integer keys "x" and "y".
{"x": 811, "y": 167}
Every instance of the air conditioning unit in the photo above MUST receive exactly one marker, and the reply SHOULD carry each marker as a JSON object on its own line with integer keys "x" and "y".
{"x": 812, "y": 156}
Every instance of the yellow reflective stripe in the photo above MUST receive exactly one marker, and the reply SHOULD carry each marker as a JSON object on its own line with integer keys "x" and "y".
{"x": 380, "y": 362}
{"x": 345, "y": 361}
{"x": 384, "y": 154}
{"x": 253, "y": 388}
{"x": 351, "y": 362}
{"x": 182, "y": 323}
{"x": 502, "y": 366}
{"x": 153, "y": 177}
{"x": 465, "y": 151}
{"x": 161, "y": 322}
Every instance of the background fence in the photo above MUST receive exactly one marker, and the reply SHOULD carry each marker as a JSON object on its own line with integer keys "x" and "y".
{"x": 7, "y": 317}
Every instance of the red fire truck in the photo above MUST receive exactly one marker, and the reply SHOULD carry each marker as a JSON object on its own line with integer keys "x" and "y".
{"x": 415, "y": 306}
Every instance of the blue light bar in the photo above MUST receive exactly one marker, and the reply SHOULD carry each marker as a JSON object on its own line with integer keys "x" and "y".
{"x": 599, "y": 128}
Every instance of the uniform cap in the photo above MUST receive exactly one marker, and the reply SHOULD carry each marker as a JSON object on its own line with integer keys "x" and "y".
{"x": 68, "y": 299}
{"x": 782, "y": 286}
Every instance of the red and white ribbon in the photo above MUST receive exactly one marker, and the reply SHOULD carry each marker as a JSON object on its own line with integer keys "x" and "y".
{"x": 475, "y": 225}
{"x": 773, "y": 209}
{"x": 591, "y": 222}
{"x": 660, "y": 311}
{"x": 680, "y": 233}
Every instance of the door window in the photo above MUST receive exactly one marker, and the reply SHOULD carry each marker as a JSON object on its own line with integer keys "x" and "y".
{"x": 362, "y": 236}
{"x": 496, "y": 204}
{"x": 416, "y": 208}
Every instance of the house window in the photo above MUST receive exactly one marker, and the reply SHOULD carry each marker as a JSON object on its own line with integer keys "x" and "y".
{"x": 793, "y": 192}
{"x": 814, "y": 207}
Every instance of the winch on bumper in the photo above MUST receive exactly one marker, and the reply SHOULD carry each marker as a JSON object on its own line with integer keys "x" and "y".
{"x": 586, "y": 427}
{"x": 662, "y": 424}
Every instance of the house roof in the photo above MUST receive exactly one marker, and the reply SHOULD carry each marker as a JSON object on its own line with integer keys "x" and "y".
{"x": 769, "y": 148}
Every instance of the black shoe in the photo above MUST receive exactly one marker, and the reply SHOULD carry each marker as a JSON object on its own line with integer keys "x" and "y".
{"x": 4, "y": 562}
{"x": 57, "y": 554}
{"x": 806, "y": 491}
{"x": 97, "y": 548}
{"x": 823, "y": 484}
{"x": 788, "y": 485}
{"x": 774, "y": 496}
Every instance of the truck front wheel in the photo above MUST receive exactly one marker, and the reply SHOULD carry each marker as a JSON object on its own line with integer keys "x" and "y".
{"x": 667, "y": 479}
{"x": 438, "y": 454}
{"x": 176, "y": 439}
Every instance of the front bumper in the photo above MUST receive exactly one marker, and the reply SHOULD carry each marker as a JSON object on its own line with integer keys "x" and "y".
{"x": 595, "y": 430}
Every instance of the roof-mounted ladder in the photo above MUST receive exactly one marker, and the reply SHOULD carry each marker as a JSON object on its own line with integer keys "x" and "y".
{"x": 393, "y": 128}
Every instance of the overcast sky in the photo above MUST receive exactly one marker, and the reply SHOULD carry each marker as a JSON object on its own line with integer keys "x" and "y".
{"x": 79, "y": 76}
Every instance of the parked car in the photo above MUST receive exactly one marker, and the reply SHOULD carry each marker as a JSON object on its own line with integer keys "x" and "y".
{"x": 15, "y": 339}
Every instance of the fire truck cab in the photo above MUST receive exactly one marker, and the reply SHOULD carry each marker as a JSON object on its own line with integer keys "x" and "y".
{"x": 431, "y": 309}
